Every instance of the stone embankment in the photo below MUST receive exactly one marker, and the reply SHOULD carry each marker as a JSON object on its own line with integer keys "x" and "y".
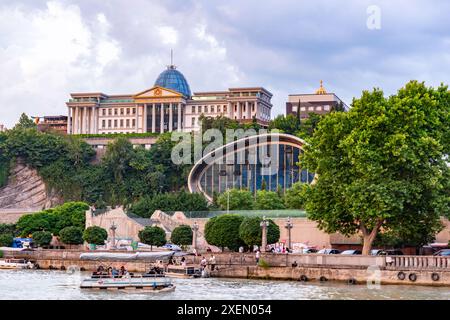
{"x": 25, "y": 192}
{"x": 419, "y": 270}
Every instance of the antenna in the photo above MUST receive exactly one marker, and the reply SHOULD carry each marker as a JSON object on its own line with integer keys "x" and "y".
{"x": 171, "y": 57}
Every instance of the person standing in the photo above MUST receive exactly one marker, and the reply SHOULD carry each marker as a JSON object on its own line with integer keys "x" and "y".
{"x": 212, "y": 262}
{"x": 257, "y": 255}
{"x": 203, "y": 263}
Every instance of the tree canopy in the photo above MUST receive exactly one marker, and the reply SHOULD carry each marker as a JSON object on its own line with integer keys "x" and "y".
{"x": 182, "y": 235}
{"x": 223, "y": 231}
{"x": 95, "y": 235}
{"x": 236, "y": 199}
{"x": 250, "y": 231}
{"x": 268, "y": 200}
{"x": 382, "y": 164}
{"x": 71, "y": 235}
{"x": 153, "y": 236}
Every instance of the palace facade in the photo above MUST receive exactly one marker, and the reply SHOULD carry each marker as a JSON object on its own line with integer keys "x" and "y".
{"x": 167, "y": 106}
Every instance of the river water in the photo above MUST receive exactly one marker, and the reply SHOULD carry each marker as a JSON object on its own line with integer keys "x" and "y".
{"x": 44, "y": 285}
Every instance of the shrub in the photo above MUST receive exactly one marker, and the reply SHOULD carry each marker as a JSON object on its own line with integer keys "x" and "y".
{"x": 223, "y": 231}
{"x": 95, "y": 235}
{"x": 42, "y": 238}
{"x": 71, "y": 235}
{"x": 182, "y": 235}
{"x": 153, "y": 236}
{"x": 263, "y": 264}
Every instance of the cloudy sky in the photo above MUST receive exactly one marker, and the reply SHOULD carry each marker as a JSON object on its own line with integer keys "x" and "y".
{"x": 51, "y": 48}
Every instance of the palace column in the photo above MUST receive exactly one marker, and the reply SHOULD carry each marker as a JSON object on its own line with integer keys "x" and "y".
{"x": 91, "y": 126}
{"x": 239, "y": 110}
{"x": 161, "y": 129}
{"x": 144, "y": 117}
{"x": 170, "y": 118}
{"x": 69, "y": 122}
{"x": 179, "y": 118}
{"x": 153, "y": 118}
{"x": 136, "y": 121}
{"x": 230, "y": 110}
{"x": 247, "y": 110}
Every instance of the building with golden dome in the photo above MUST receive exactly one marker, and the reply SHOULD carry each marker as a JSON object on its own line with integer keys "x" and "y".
{"x": 320, "y": 102}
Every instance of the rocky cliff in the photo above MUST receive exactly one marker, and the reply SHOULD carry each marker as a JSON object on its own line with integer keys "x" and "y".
{"x": 26, "y": 189}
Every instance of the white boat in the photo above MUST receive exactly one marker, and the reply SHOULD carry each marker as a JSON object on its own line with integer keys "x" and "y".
{"x": 135, "y": 282}
{"x": 183, "y": 272}
{"x": 16, "y": 264}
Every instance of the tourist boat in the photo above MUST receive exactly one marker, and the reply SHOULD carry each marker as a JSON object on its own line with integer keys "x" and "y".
{"x": 158, "y": 283}
{"x": 183, "y": 272}
{"x": 16, "y": 264}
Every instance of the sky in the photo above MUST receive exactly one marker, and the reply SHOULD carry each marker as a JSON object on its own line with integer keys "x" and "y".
{"x": 49, "y": 49}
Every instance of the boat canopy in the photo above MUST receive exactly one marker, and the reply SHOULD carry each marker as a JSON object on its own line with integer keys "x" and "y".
{"x": 120, "y": 256}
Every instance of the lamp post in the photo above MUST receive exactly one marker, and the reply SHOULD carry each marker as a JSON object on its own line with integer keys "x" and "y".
{"x": 194, "y": 235}
{"x": 113, "y": 229}
{"x": 264, "y": 224}
{"x": 289, "y": 225}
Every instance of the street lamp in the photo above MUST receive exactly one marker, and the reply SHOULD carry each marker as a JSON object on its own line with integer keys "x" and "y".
{"x": 194, "y": 235}
{"x": 264, "y": 224}
{"x": 289, "y": 225}
{"x": 113, "y": 229}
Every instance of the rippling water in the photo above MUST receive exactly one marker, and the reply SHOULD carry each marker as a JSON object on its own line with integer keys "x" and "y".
{"x": 42, "y": 284}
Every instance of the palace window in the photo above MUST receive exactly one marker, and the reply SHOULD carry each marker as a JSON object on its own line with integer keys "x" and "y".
{"x": 318, "y": 108}
{"x": 121, "y": 111}
{"x": 311, "y": 109}
{"x": 206, "y": 109}
{"x": 133, "y": 122}
{"x": 109, "y": 123}
{"x": 104, "y": 112}
{"x": 116, "y": 112}
{"x": 193, "y": 109}
{"x": 212, "y": 109}
{"x": 303, "y": 109}
{"x": 218, "y": 109}
{"x": 121, "y": 123}
{"x": 115, "y": 123}
{"x": 128, "y": 110}
{"x": 326, "y": 108}
{"x": 199, "y": 109}
{"x": 224, "y": 108}
{"x": 103, "y": 122}
{"x": 193, "y": 121}
{"x": 128, "y": 123}
{"x": 110, "y": 112}
{"x": 133, "y": 110}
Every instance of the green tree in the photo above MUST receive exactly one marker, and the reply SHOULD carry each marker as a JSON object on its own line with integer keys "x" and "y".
{"x": 295, "y": 196}
{"x": 153, "y": 236}
{"x": 289, "y": 124}
{"x": 223, "y": 231}
{"x": 95, "y": 235}
{"x": 6, "y": 240}
{"x": 25, "y": 123}
{"x": 42, "y": 238}
{"x": 237, "y": 200}
{"x": 250, "y": 231}
{"x": 268, "y": 200}
{"x": 71, "y": 235}
{"x": 382, "y": 164}
{"x": 182, "y": 235}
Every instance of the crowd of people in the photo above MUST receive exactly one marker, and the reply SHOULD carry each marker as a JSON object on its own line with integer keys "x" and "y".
{"x": 111, "y": 272}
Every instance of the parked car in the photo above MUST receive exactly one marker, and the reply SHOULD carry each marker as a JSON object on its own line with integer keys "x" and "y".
{"x": 443, "y": 253}
{"x": 329, "y": 251}
{"x": 351, "y": 252}
{"x": 390, "y": 252}
{"x": 172, "y": 247}
{"x": 305, "y": 251}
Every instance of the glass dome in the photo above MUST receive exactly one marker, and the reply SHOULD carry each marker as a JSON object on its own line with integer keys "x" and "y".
{"x": 173, "y": 79}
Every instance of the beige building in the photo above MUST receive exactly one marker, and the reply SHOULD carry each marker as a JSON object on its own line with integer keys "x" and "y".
{"x": 2, "y": 128}
{"x": 167, "y": 106}
{"x": 320, "y": 102}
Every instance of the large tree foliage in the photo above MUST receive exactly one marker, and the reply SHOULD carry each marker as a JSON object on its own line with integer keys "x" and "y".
{"x": 235, "y": 199}
{"x": 153, "y": 236}
{"x": 295, "y": 196}
{"x": 268, "y": 200}
{"x": 42, "y": 238}
{"x": 182, "y": 235}
{"x": 381, "y": 166}
{"x": 223, "y": 231}
{"x": 289, "y": 124}
{"x": 25, "y": 123}
{"x": 250, "y": 231}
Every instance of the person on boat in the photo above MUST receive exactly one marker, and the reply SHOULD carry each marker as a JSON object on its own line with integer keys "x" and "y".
{"x": 122, "y": 271}
{"x": 183, "y": 262}
{"x": 115, "y": 272}
{"x": 203, "y": 263}
{"x": 212, "y": 262}
{"x": 257, "y": 255}
{"x": 109, "y": 271}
